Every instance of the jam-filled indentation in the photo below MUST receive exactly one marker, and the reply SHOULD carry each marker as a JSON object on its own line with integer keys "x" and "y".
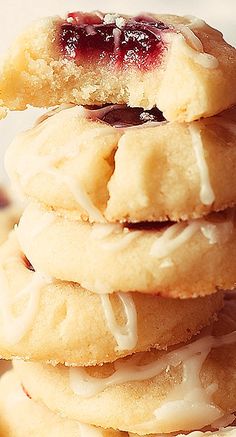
{"x": 138, "y": 41}
{"x": 122, "y": 116}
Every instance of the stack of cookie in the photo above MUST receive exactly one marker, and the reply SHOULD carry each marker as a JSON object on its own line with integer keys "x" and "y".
{"x": 113, "y": 283}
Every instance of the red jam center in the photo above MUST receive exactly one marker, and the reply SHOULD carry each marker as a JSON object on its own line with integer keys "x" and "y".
{"x": 138, "y": 41}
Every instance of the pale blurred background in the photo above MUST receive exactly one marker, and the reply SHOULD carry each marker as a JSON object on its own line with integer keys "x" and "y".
{"x": 16, "y": 14}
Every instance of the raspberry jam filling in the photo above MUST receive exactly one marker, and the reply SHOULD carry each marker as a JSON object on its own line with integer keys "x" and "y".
{"x": 148, "y": 226}
{"x": 122, "y": 116}
{"x": 96, "y": 37}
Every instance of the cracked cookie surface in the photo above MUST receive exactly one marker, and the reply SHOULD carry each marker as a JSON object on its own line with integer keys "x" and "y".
{"x": 87, "y": 163}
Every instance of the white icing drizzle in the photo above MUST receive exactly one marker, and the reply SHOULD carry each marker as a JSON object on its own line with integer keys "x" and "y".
{"x": 89, "y": 431}
{"x": 101, "y": 231}
{"x": 98, "y": 114}
{"x": 204, "y": 59}
{"x": 179, "y": 233}
{"x": 117, "y": 34}
{"x": 195, "y": 22}
{"x": 173, "y": 238}
{"x": 207, "y": 195}
{"x": 166, "y": 263}
{"x": 126, "y": 336}
{"x": 128, "y": 370}
{"x": 169, "y": 241}
{"x": 46, "y": 165}
{"x": 189, "y": 395}
{"x": 218, "y": 232}
{"x": 80, "y": 196}
{"x": 54, "y": 111}
{"x": 190, "y": 37}
{"x": 15, "y": 327}
{"x": 106, "y": 233}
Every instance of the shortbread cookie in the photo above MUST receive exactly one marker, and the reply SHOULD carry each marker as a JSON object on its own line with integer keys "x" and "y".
{"x": 154, "y": 172}
{"x": 59, "y": 322}
{"x": 186, "y": 259}
{"x": 189, "y": 387}
{"x": 20, "y": 416}
{"x": 179, "y": 64}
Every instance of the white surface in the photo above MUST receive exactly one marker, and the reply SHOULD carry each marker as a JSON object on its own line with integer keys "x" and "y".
{"x": 16, "y": 14}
